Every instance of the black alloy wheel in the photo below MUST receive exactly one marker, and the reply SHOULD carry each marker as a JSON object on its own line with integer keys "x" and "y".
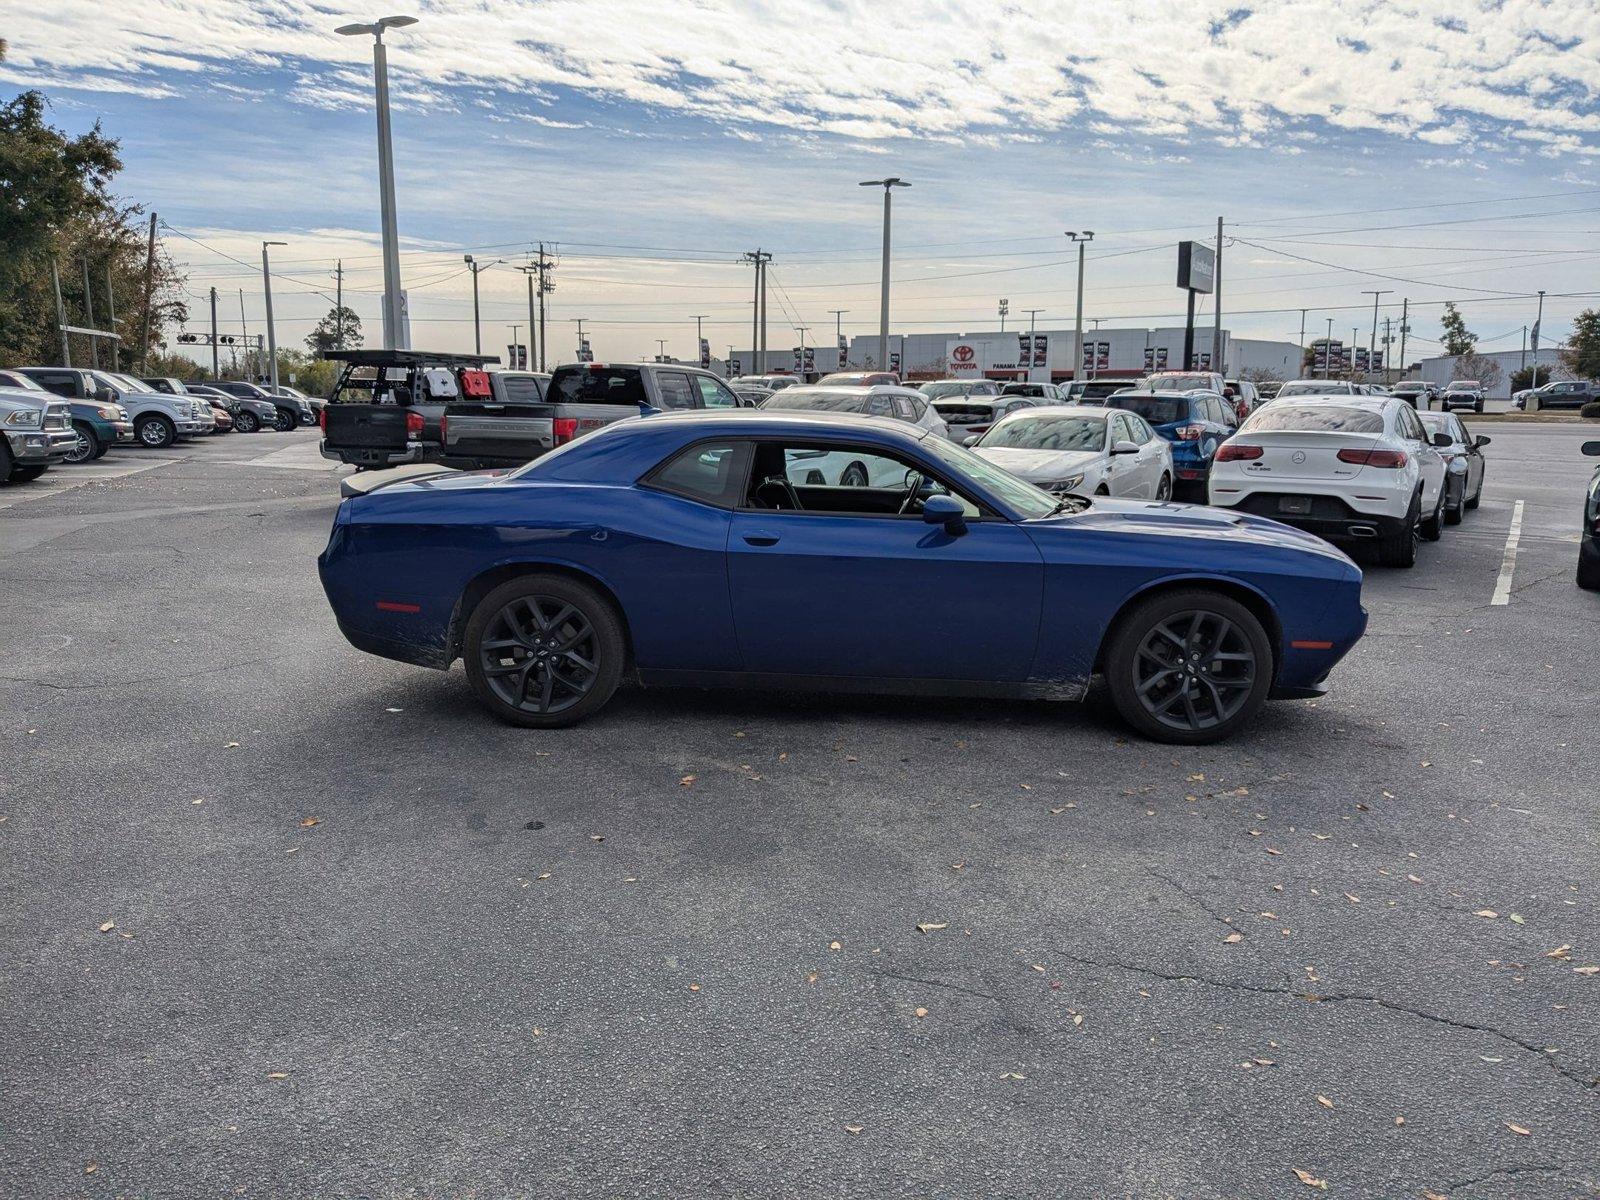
{"x": 544, "y": 651}
{"x": 1189, "y": 666}
{"x": 87, "y": 446}
{"x": 284, "y": 421}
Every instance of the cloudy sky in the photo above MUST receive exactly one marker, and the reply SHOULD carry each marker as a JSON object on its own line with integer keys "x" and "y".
{"x": 1438, "y": 148}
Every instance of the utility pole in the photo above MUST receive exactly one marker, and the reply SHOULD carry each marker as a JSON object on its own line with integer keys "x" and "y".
{"x": 512, "y": 349}
{"x": 761, "y": 268}
{"x": 1327, "y": 353}
{"x": 1005, "y": 308}
{"x": 758, "y": 315}
{"x": 1301, "y": 365}
{"x": 1081, "y": 240}
{"x": 1388, "y": 340}
{"x": 88, "y": 316}
{"x": 111, "y": 318}
{"x": 338, "y": 304}
{"x": 246, "y": 327}
{"x": 1537, "y": 320}
{"x": 888, "y": 185}
{"x": 702, "y": 352}
{"x": 580, "y": 321}
{"x": 802, "y": 330}
{"x": 530, "y": 271}
{"x": 1373, "y": 345}
{"x": 1217, "y": 364}
{"x": 477, "y": 335}
{"x": 838, "y": 335}
{"x": 661, "y": 349}
{"x": 272, "y": 340}
{"x": 1522, "y": 362}
{"x": 545, "y": 287}
{"x": 61, "y": 314}
{"x": 216, "y": 371}
{"x": 1405, "y": 328}
{"x": 149, "y": 291}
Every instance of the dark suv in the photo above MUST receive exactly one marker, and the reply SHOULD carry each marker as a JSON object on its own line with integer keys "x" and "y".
{"x": 1196, "y": 423}
{"x": 291, "y": 412}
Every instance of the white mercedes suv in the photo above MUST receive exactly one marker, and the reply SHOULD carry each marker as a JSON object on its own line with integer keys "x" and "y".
{"x": 1349, "y": 468}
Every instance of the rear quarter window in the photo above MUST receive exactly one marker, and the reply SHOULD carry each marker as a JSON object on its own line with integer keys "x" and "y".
{"x": 606, "y": 385}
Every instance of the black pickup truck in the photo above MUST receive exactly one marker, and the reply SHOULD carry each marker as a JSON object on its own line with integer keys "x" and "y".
{"x": 402, "y": 406}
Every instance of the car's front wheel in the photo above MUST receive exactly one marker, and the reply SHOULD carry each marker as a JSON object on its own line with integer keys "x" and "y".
{"x": 286, "y": 421}
{"x": 246, "y": 421}
{"x": 1189, "y": 666}
{"x": 1589, "y": 566}
{"x": 1164, "y": 488}
{"x": 155, "y": 432}
{"x": 87, "y": 447}
{"x": 544, "y": 651}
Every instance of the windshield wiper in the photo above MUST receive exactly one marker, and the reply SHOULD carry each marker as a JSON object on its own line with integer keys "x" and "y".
{"x": 1069, "y": 503}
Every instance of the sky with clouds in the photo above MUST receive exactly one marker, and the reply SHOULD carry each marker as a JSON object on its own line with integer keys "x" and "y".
{"x": 1440, "y": 149}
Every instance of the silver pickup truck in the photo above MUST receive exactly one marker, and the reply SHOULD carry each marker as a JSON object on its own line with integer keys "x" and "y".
{"x": 35, "y": 433}
{"x": 158, "y": 419}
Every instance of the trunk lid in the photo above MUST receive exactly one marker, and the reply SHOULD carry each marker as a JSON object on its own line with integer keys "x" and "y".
{"x": 1290, "y": 455}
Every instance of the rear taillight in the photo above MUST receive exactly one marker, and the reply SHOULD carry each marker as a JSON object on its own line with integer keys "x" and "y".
{"x": 1374, "y": 458}
{"x": 444, "y": 427}
{"x": 322, "y": 419}
{"x": 1230, "y": 452}
{"x": 414, "y": 423}
{"x": 1190, "y": 433}
{"x": 565, "y": 429}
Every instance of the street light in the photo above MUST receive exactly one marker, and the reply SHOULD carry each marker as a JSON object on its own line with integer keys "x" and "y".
{"x": 475, "y": 267}
{"x": 888, "y": 185}
{"x": 272, "y": 341}
{"x": 1081, "y": 239}
{"x": 393, "y": 328}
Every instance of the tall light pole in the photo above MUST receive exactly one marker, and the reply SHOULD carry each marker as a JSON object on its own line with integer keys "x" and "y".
{"x": 888, "y": 186}
{"x": 1327, "y": 353}
{"x": 1081, "y": 240}
{"x": 393, "y": 327}
{"x": 272, "y": 340}
{"x": 533, "y": 328}
{"x": 476, "y": 268}
{"x": 702, "y": 352}
{"x": 838, "y": 334}
{"x": 1372, "y": 348}
{"x": 1535, "y": 339}
{"x": 1033, "y": 320}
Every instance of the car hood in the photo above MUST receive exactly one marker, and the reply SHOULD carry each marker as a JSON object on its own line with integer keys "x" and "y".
{"x": 1036, "y": 465}
{"x": 1156, "y": 518}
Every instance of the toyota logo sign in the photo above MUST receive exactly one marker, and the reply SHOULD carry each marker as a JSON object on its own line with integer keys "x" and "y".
{"x": 962, "y": 354}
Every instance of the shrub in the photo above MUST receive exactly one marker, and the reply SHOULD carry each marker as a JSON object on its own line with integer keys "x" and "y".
{"x": 1591, "y": 409}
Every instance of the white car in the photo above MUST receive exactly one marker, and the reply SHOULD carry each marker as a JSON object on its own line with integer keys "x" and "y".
{"x": 821, "y": 467}
{"x": 1083, "y": 449}
{"x": 1349, "y": 468}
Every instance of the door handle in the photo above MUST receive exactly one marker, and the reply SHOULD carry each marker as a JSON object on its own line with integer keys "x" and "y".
{"x": 760, "y": 537}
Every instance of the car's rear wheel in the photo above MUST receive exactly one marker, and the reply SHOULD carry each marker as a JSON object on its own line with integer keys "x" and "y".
{"x": 286, "y": 421}
{"x": 1189, "y": 667}
{"x": 87, "y": 446}
{"x": 855, "y": 475}
{"x": 1589, "y": 566}
{"x": 155, "y": 432}
{"x": 26, "y": 474}
{"x": 544, "y": 651}
{"x": 1452, "y": 512}
{"x": 1164, "y": 488}
{"x": 1433, "y": 528}
{"x": 1399, "y": 549}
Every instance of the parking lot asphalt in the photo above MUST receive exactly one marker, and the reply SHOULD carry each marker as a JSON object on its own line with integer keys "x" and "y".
{"x": 281, "y": 919}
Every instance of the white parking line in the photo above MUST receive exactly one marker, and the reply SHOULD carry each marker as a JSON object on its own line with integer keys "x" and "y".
{"x": 1502, "y": 587}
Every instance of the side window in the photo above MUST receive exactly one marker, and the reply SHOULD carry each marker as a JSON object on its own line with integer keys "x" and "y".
{"x": 1142, "y": 433}
{"x": 840, "y": 480}
{"x": 879, "y": 406}
{"x": 59, "y": 382}
{"x": 712, "y": 473}
{"x": 675, "y": 390}
{"x": 714, "y": 394}
{"x": 903, "y": 409}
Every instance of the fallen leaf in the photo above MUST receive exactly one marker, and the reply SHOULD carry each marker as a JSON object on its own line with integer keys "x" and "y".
{"x": 1325, "y": 1102}
{"x": 1352, "y": 899}
{"x": 1232, "y": 938}
{"x": 597, "y": 837}
{"x": 1516, "y": 919}
{"x": 278, "y": 1075}
{"x": 1426, "y": 763}
{"x": 1077, "y": 1018}
{"x": 1039, "y": 967}
{"x": 811, "y": 976}
{"x": 1399, "y": 1120}
{"x": 1519, "y": 1130}
{"x": 1273, "y": 852}
{"x": 91, "y": 1168}
{"x": 1310, "y": 1180}
{"x": 930, "y": 926}
{"x": 537, "y": 1032}
{"x": 108, "y": 927}
{"x": 197, "y": 802}
{"x": 854, "y": 1129}
{"x": 546, "y": 875}
{"x": 1413, "y": 879}
{"x": 1488, "y": 914}
{"x": 835, "y": 946}
{"x": 310, "y": 821}
{"x": 1012, "y": 1075}
{"x": 687, "y": 780}
{"x": 231, "y": 746}
{"x": 394, "y": 710}
{"x": 694, "y": 987}
{"x": 1264, "y": 1062}
{"x": 921, "y": 1012}
{"x": 1561, "y": 951}
{"x": 1585, "y": 970}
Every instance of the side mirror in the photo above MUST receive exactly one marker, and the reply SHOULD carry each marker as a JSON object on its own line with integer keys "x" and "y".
{"x": 1480, "y": 441}
{"x": 1125, "y": 448}
{"x": 1443, "y": 440}
{"x": 946, "y": 510}
{"x": 105, "y": 394}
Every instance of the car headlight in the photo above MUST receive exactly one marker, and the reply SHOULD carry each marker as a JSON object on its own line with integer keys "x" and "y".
{"x": 1064, "y": 485}
{"x": 28, "y": 418}
{"x": 108, "y": 413}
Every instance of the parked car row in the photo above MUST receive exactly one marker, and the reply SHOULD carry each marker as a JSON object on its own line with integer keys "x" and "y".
{"x": 106, "y": 408}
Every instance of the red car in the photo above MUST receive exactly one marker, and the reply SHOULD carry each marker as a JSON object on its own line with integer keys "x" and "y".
{"x": 220, "y": 411}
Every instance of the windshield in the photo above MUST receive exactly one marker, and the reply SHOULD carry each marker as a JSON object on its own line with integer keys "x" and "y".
{"x": 1313, "y": 418}
{"x": 1312, "y": 387}
{"x": 1027, "y": 500}
{"x": 1158, "y": 410}
{"x": 1462, "y": 385}
{"x": 958, "y": 387}
{"x": 1178, "y": 381}
{"x": 1048, "y": 433}
{"x": 817, "y": 400}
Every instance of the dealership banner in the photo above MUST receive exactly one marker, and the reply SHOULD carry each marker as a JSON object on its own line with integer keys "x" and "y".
{"x": 1041, "y": 350}
{"x": 584, "y": 353}
{"x": 1361, "y": 358}
{"x": 1161, "y": 358}
{"x": 844, "y": 352}
{"x": 705, "y": 353}
{"x": 810, "y": 359}
{"x": 894, "y": 362}
{"x": 1377, "y": 360}
{"x": 1088, "y": 356}
{"x": 1149, "y": 358}
{"x": 1024, "y": 348}
{"x": 1102, "y": 356}
{"x": 1205, "y": 361}
{"x": 797, "y": 360}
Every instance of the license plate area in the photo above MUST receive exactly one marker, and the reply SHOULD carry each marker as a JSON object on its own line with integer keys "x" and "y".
{"x": 1300, "y": 505}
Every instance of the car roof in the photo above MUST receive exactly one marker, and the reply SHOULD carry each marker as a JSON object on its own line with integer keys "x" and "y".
{"x": 859, "y": 389}
{"x": 1371, "y": 403}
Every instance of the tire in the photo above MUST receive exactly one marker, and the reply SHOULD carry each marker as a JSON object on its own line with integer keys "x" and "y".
{"x": 1164, "y": 488}
{"x": 7, "y": 467}
{"x": 89, "y": 446}
{"x": 1170, "y": 638}
{"x": 855, "y": 475}
{"x": 1432, "y": 529}
{"x": 519, "y": 641}
{"x": 246, "y": 421}
{"x": 286, "y": 421}
{"x": 1400, "y": 549}
{"x": 105, "y": 448}
{"x": 1589, "y": 569}
{"x": 26, "y": 474}
{"x": 1102, "y": 490}
{"x": 1477, "y": 497}
{"x": 155, "y": 432}
{"x": 1452, "y": 513}
{"x": 1478, "y": 407}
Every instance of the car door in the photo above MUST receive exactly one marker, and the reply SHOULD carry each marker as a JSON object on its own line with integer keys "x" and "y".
{"x": 1152, "y": 454}
{"x": 1474, "y": 458}
{"x": 1430, "y": 466}
{"x": 848, "y": 588}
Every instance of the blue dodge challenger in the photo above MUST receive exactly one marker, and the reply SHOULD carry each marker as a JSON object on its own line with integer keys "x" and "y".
{"x": 711, "y": 549}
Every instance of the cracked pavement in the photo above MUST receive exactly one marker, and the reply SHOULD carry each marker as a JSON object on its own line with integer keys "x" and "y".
{"x": 384, "y": 947}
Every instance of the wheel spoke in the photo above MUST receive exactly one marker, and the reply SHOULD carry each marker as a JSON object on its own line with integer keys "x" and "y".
{"x": 546, "y": 690}
{"x": 1159, "y": 677}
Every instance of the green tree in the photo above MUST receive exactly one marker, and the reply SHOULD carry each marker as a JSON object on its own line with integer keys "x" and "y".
{"x": 1582, "y": 353}
{"x": 56, "y": 205}
{"x": 1529, "y": 377}
{"x": 341, "y": 327}
{"x": 1456, "y": 338}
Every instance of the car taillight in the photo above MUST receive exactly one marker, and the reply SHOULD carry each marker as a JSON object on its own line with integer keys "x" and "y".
{"x": 1374, "y": 458}
{"x": 414, "y": 423}
{"x": 1189, "y": 433}
{"x": 322, "y": 420}
{"x": 444, "y": 428}
{"x": 1231, "y": 451}
{"x": 565, "y": 429}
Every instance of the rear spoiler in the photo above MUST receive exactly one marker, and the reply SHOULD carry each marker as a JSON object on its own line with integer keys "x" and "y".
{"x": 370, "y": 481}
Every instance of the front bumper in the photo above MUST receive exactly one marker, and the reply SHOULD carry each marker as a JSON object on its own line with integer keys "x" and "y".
{"x": 361, "y": 456}
{"x": 121, "y": 431}
{"x": 40, "y": 447}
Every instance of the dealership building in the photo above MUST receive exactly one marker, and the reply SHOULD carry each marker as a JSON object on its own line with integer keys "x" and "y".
{"x": 1047, "y": 354}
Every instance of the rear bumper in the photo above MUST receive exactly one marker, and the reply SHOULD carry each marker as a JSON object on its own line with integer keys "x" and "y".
{"x": 363, "y": 456}
{"x": 1332, "y": 517}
